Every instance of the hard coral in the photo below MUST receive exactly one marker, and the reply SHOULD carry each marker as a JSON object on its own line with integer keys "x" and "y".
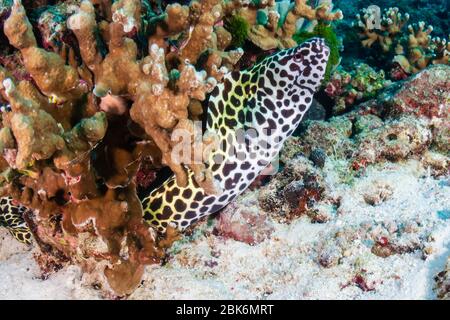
{"x": 381, "y": 30}
{"x": 275, "y": 23}
{"x": 52, "y": 76}
{"x": 157, "y": 107}
{"x": 411, "y": 51}
{"x": 420, "y": 50}
{"x": 71, "y": 151}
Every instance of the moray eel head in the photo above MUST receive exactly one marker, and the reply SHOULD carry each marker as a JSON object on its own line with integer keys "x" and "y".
{"x": 307, "y": 63}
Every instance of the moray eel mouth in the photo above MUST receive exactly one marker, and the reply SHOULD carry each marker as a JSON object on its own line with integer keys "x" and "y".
{"x": 269, "y": 99}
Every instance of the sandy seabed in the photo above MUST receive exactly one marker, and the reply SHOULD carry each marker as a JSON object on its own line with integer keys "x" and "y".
{"x": 287, "y": 265}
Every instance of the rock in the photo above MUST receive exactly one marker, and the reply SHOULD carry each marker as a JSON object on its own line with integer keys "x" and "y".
{"x": 315, "y": 112}
{"x": 441, "y": 135}
{"x": 442, "y": 279}
{"x": 437, "y": 163}
{"x": 320, "y": 214}
{"x": 377, "y": 193}
{"x": 331, "y": 136}
{"x": 318, "y": 157}
{"x": 329, "y": 256}
{"x": 395, "y": 140}
{"x": 426, "y": 94}
{"x": 244, "y": 223}
{"x": 382, "y": 251}
{"x": 294, "y": 191}
{"x": 367, "y": 123}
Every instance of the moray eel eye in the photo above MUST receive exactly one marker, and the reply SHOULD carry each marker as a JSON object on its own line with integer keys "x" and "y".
{"x": 298, "y": 57}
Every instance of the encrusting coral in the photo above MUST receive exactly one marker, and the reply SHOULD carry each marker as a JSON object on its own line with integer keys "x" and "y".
{"x": 348, "y": 88}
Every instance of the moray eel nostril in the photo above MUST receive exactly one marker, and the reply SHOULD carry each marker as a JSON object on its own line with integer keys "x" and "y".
{"x": 266, "y": 103}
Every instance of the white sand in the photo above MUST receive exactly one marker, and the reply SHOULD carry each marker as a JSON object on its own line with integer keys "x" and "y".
{"x": 286, "y": 266}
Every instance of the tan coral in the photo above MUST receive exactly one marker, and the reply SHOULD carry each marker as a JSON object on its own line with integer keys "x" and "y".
{"x": 74, "y": 165}
{"x": 36, "y": 132}
{"x": 390, "y": 25}
{"x": 128, "y": 14}
{"x": 417, "y": 46}
{"x": 270, "y": 36}
{"x": 48, "y": 69}
{"x": 414, "y": 50}
{"x": 303, "y": 10}
{"x": 83, "y": 24}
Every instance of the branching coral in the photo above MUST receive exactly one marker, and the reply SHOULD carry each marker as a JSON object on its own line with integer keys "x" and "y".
{"x": 56, "y": 135}
{"x": 420, "y": 49}
{"x": 157, "y": 107}
{"x": 274, "y": 24}
{"x": 413, "y": 50}
{"x": 381, "y": 30}
{"x": 49, "y": 71}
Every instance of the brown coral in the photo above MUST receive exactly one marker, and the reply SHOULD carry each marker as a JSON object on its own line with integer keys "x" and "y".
{"x": 383, "y": 31}
{"x": 156, "y": 107}
{"x": 413, "y": 49}
{"x": 420, "y": 49}
{"x": 83, "y": 120}
{"x": 269, "y": 36}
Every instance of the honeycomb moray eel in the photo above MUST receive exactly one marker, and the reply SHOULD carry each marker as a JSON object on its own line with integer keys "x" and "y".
{"x": 11, "y": 217}
{"x": 266, "y": 103}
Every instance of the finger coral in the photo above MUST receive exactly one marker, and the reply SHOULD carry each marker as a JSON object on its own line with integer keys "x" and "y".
{"x": 411, "y": 50}
{"x": 275, "y": 23}
{"x": 420, "y": 50}
{"x": 381, "y": 30}
{"x": 56, "y": 136}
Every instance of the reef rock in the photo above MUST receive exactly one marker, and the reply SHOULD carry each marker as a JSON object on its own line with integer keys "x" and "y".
{"x": 442, "y": 279}
{"x": 294, "y": 191}
{"x": 243, "y": 221}
{"x": 425, "y": 94}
